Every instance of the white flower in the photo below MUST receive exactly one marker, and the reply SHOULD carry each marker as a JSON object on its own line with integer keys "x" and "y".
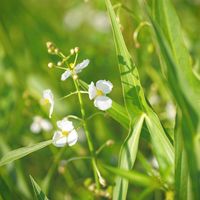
{"x": 75, "y": 69}
{"x": 66, "y": 135}
{"x": 98, "y": 93}
{"x": 40, "y": 124}
{"x": 170, "y": 111}
{"x": 48, "y": 99}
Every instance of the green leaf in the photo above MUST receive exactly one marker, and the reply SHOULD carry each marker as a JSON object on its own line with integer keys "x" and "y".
{"x": 22, "y": 152}
{"x": 184, "y": 86}
{"x": 161, "y": 145}
{"x": 5, "y": 191}
{"x": 127, "y": 157}
{"x": 118, "y": 113}
{"x": 167, "y": 19}
{"x": 135, "y": 177}
{"x": 39, "y": 194}
{"x": 132, "y": 90}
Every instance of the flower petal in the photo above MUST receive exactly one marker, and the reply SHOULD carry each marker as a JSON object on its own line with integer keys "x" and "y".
{"x": 103, "y": 102}
{"x": 46, "y": 125}
{"x": 65, "y": 75}
{"x": 59, "y": 140}
{"x": 65, "y": 125}
{"x": 104, "y": 86}
{"x": 92, "y": 91}
{"x": 35, "y": 127}
{"x": 72, "y": 138}
{"x": 47, "y": 94}
{"x": 82, "y": 65}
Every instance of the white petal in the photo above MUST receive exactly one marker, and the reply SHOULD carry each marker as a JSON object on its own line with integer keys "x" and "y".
{"x": 46, "y": 125}
{"x": 82, "y": 65}
{"x": 92, "y": 91}
{"x": 103, "y": 102}
{"x": 65, "y": 125}
{"x": 104, "y": 86}
{"x": 59, "y": 140}
{"x": 35, "y": 127}
{"x": 72, "y": 138}
{"x": 47, "y": 94}
{"x": 51, "y": 109}
{"x": 65, "y": 75}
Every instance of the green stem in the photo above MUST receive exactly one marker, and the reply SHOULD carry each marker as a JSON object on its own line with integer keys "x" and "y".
{"x": 89, "y": 140}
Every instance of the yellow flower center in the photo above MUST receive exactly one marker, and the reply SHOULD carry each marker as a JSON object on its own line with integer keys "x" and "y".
{"x": 46, "y": 101}
{"x": 71, "y": 65}
{"x": 65, "y": 133}
{"x": 99, "y": 93}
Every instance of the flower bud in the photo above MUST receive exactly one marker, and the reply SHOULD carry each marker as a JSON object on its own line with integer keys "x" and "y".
{"x": 76, "y": 49}
{"x": 50, "y": 65}
{"x": 109, "y": 142}
{"x": 72, "y": 51}
{"x": 49, "y": 45}
{"x": 59, "y": 63}
{"x": 56, "y": 50}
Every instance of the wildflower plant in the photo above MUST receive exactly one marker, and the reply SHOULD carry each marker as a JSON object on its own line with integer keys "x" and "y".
{"x": 67, "y": 133}
{"x": 172, "y": 169}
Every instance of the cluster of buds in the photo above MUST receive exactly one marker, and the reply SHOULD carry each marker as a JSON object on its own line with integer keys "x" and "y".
{"x": 74, "y": 50}
{"x": 105, "y": 193}
{"x": 52, "y": 49}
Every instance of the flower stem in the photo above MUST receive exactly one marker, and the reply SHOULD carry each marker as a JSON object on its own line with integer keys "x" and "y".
{"x": 89, "y": 140}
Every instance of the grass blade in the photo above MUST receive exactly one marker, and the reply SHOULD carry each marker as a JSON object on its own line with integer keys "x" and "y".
{"x": 160, "y": 144}
{"x": 132, "y": 90}
{"x": 135, "y": 177}
{"x": 39, "y": 195}
{"x": 184, "y": 86}
{"x": 127, "y": 158}
{"x": 22, "y": 152}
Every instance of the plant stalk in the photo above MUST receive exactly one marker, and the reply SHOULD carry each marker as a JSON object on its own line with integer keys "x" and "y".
{"x": 89, "y": 140}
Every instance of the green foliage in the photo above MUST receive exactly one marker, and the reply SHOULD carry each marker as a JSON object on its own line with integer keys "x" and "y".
{"x": 39, "y": 195}
{"x": 21, "y": 152}
{"x": 146, "y": 145}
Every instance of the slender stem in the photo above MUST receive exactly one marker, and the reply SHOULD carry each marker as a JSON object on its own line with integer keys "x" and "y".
{"x": 72, "y": 93}
{"x": 89, "y": 140}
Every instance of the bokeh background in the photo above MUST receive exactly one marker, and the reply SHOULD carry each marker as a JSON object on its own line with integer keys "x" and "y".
{"x": 25, "y": 27}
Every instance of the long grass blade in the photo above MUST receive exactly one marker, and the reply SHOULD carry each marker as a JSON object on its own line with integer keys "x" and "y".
{"x": 22, "y": 152}
{"x": 39, "y": 194}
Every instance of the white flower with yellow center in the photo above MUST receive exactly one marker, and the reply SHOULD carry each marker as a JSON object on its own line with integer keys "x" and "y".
{"x": 74, "y": 70}
{"x": 40, "y": 124}
{"x": 66, "y": 135}
{"x": 98, "y": 93}
{"x": 48, "y": 99}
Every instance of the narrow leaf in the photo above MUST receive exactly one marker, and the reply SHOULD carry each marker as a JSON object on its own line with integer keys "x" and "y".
{"x": 22, "y": 152}
{"x": 135, "y": 177}
{"x": 39, "y": 194}
{"x": 127, "y": 157}
{"x": 132, "y": 91}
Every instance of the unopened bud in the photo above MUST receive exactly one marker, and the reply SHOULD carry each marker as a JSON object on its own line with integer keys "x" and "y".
{"x": 61, "y": 169}
{"x": 59, "y": 63}
{"x": 56, "y": 50}
{"x": 50, "y": 51}
{"x": 49, "y": 45}
{"x": 109, "y": 142}
{"x": 50, "y": 65}
{"x": 76, "y": 49}
{"x": 72, "y": 51}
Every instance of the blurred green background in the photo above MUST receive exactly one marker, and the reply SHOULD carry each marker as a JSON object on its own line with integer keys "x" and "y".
{"x": 25, "y": 27}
